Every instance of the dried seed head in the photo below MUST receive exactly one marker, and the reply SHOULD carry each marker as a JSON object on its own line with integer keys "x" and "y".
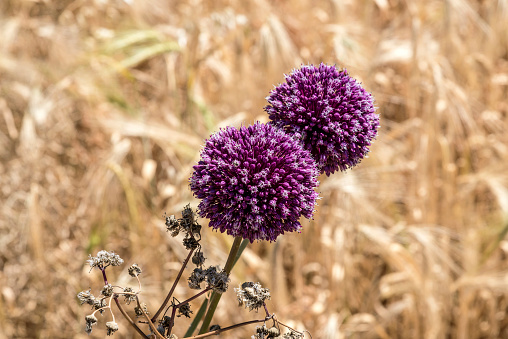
{"x": 215, "y": 327}
{"x": 166, "y": 321}
{"x": 262, "y": 329}
{"x": 134, "y": 270}
{"x": 217, "y": 279}
{"x": 196, "y": 278}
{"x": 90, "y": 321}
{"x": 190, "y": 243}
{"x": 198, "y": 258}
{"x": 172, "y": 225}
{"x": 161, "y": 329}
{"x": 139, "y": 310}
{"x": 188, "y": 217}
{"x": 99, "y": 304}
{"x": 184, "y": 310}
{"x": 107, "y": 290}
{"x": 112, "y": 327}
{"x": 129, "y": 296}
{"x": 104, "y": 259}
{"x": 252, "y": 295}
{"x": 187, "y": 223}
{"x": 292, "y": 335}
{"x": 273, "y": 332}
{"x": 86, "y": 297}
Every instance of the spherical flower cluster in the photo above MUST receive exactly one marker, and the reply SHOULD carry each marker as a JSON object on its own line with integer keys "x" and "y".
{"x": 255, "y": 182}
{"x": 331, "y": 113}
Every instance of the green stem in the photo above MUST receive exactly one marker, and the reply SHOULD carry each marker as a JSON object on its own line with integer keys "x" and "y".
{"x": 202, "y": 309}
{"x": 197, "y": 319}
{"x": 214, "y": 299}
{"x": 244, "y": 244}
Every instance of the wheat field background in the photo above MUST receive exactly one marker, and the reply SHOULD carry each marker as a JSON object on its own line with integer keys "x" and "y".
{"x": 104, "y": 106}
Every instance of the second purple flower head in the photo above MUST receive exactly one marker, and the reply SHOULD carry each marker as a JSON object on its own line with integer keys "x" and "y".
{"x": 329, "y": 111}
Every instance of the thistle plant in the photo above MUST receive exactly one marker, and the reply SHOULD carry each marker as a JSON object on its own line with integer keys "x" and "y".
{"x": 255, "y": 183}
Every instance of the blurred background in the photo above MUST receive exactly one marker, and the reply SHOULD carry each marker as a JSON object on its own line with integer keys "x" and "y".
{"x": 104, "y": 106}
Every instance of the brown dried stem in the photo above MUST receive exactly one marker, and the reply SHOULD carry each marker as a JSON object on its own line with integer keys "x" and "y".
{"x": 175, "y": 307}
{"x": 150, "y": 323}
{"x": 232, "y": 327}
{"x": 126, "y": 316}
{"x": 168, "y": 297}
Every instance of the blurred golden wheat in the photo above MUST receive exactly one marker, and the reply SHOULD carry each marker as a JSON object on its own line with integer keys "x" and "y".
{"x": 104, "y": 105}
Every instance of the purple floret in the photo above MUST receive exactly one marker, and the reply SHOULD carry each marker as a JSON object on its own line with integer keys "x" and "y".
{"x": 255, "y": 182}
{"x": 329, "y": 111}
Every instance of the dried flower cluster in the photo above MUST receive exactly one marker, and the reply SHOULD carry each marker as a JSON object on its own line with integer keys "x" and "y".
{"x": 90, "y": 321}
{"x": 107, "y": 290}
{"x": 134, "y": 270}
{"x": 111, "y": 327}
{"x": 263, "y": 332}
{"x": 129, "y": 295}
{"x": 139, "y": 311}
{"x": 215, "y": 278}
{"x": 330, "y": 111}
{"x": 184, "y": 310}
{"x": 292, "y": 335}
{"x": 86, "y": 297}
{"x": 252, "y": 295}
{"x": 101, "y": 261}
{"x": 104, "y": 259}
{"x": 186, "y": 224}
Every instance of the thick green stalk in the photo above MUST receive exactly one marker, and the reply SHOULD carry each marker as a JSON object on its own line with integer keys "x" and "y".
{"x": 197, "y": 319}
{"x": 214, "y": 299}
{"x": 244, "y": 244}
{"x": 202, "y": 309}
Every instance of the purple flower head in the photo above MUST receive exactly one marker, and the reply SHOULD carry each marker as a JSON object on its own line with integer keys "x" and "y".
{"x": 255, "y": 182}
{"x": 331, "y": 113}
